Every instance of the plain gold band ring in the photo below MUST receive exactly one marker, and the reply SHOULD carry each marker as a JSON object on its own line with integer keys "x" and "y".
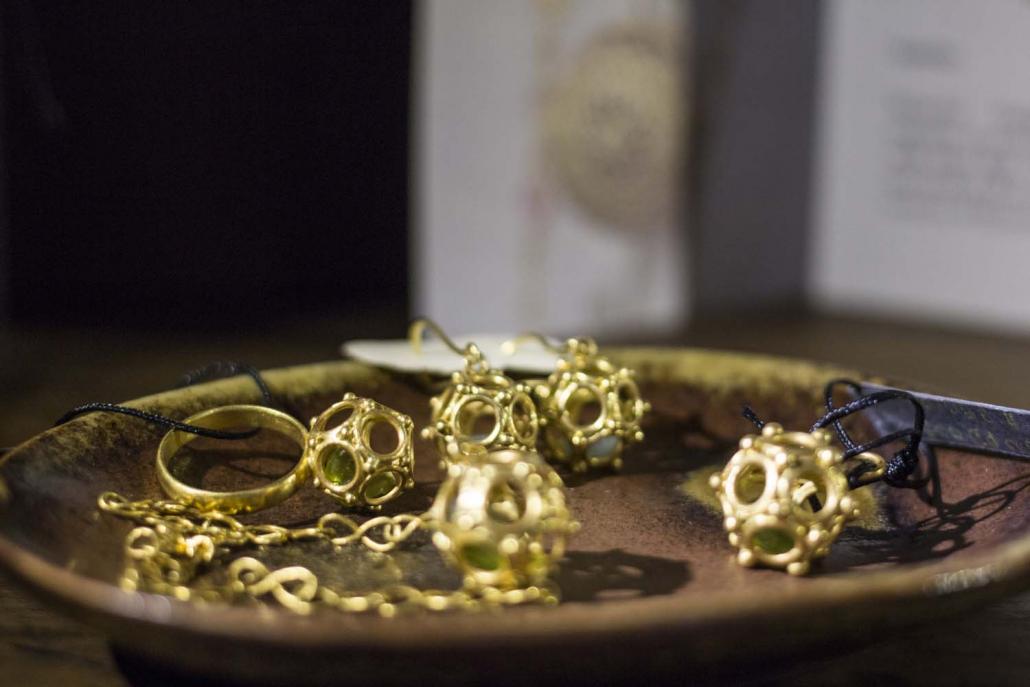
{"x": 243, "y": 500}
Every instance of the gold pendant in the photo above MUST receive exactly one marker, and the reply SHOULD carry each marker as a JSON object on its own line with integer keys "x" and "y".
{"x": 785, "y": 497}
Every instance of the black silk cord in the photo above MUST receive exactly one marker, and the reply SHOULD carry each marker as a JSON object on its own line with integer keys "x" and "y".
{"x": 153, "y": 418}
{"x": 902, "y": 465}
{"x": 216, "y": 370}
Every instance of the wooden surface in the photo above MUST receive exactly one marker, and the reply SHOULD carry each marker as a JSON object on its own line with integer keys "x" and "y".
{"x": 45, "y": 372}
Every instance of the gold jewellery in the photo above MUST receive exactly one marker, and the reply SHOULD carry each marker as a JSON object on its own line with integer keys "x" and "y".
{"x": 590, "y": 409}
{"x": 351, "y": 463}
{"x": 346, "y": 460}
{"x": 785, "y": 496}
{"x": 500, "y": 518}
{"x": 245, "y": 500}
{"x": 481, "y": 407}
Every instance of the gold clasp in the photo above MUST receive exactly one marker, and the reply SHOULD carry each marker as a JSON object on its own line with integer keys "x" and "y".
{"x": 870, "y": 475}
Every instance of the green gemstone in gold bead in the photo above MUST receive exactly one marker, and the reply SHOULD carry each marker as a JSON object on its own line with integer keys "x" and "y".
{"x": 338, "y": 465}
{"x": 380, "y": 485}
{"x": 481, "y": 555}
{"x": 773, "y": 540}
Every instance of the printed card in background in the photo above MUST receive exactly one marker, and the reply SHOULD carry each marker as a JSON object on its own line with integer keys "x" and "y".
{"x": 923, "y": 190}
{"x": 551, "y": 141}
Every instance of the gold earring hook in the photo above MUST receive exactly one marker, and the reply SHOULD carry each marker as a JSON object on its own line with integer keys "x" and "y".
{"x": 473, "y": 356}
{"x": 511, "y": 345}
{"x": 419, "y": 326}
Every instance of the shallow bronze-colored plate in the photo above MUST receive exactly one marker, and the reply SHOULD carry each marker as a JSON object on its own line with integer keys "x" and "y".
{"x": 649, "y": 585}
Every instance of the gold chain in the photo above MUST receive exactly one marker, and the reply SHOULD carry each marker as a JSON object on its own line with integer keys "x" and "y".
{"x": 173, "y": 540}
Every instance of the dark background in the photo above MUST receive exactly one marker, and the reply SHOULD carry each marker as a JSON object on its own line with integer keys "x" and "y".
{"x": 205, "y": 164}
{"x": 222, "y": 165}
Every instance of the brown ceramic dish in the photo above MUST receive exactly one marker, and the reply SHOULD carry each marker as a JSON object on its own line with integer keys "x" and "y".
{"x": 649, "y": 585}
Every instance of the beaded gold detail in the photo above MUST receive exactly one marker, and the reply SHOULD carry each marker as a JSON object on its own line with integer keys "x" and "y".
{"x": 785, "y": 497}
{"x": 480, "y": 408}
{"x": 368, "y": 458}
{"x": 590, "y": 409}
{"x": 501, "y": 518}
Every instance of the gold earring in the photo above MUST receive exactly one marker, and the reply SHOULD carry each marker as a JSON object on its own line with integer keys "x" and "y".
{"x": 480, "y": 407}
{"x": 590, "y": 409}
{"x": 351, "y": 462}
{"x": 785, "y": 496}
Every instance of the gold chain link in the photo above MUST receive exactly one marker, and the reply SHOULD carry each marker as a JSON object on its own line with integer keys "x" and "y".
{"x": 173, "y": 540}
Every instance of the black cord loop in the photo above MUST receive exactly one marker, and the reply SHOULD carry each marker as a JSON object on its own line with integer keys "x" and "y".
{"x": 902, "y": 465}
{"x": 229, "y": 368}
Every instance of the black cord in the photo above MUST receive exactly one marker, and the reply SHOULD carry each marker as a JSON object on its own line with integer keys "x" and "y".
{"x": 154, "y": 418}
{"x": 216, "y": 370}
{"x": 901, "y": 466}
{"x": 753, "y": 417}
{"x": 838, "y": 426}
{"x": 229, "y": 368}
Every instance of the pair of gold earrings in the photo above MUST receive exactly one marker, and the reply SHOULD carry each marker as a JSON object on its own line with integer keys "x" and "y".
{"x": 584, "y": 414}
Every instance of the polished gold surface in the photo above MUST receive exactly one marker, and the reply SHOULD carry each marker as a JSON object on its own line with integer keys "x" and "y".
{"x": 366, "y": 459}
{"x": 785, "y": 498}
{"x": 501, "y": 517}
{"x": 590, "y": 409}
{"x": 244, "y": 500}
{"x": 480, "y": 408}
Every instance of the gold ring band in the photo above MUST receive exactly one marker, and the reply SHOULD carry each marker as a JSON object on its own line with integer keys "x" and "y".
{"x": 243, "y": 500}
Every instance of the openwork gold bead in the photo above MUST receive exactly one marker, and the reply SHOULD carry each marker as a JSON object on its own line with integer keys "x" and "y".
{"x": 365, "y": 460}
{"x": 482, "y": 407}
{"x": 784, "y": 498}
{"x": 590, "y": 410}
{"x": 501, "y": 519}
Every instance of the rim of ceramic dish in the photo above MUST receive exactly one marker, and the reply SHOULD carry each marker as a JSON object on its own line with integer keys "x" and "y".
{"x": 1002, "y": 569}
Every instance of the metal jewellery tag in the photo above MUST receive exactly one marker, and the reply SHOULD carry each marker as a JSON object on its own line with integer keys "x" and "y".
{"x": 957, "y": 422}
